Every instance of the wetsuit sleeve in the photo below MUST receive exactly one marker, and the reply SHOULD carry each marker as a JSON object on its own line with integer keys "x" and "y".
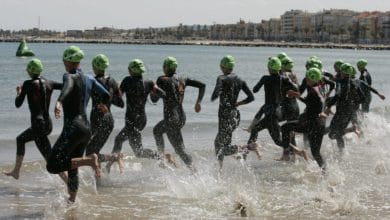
{"x": 290, "y": 85}
{"x": 20, "y": 98}
{"x": 116, "y": 96}
{"x": 201, "y": 86}
{"x": 217, "y": 89}
{"x": 55, "y": 85}
{"x": 333, "y": 100}
{"x": 331, "y": 84}
{"x": 369, "y": 80}
{"x": 303, "y": 86}
{"x": 99, "y": 88}
{"x": 66, "y": 88}
{"x": 366, "y": 86}
{"x": 327, "y": 74}
{"x": 259, "y": 85}
{"x": 248, "y": 93}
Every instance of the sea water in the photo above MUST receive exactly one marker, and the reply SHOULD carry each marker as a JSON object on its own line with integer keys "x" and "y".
{"x": 355, "y": 186}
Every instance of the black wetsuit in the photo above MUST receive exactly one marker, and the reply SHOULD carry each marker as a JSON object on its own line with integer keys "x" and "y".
{"x": 275, "y": 88}
{"x": 76, "y": 133}
{"x": 309, "y": 123}
{"x": 102, "y": 123}
{"x": 174, "y": 116}
{"x": 366, "y": 77}
{"x": 38, "y": 93}
{"x": 137, "y": 91}
{"x": 289, "y": 106}
{"x": 347, "y": 99}
{"x": 227, "y": 89}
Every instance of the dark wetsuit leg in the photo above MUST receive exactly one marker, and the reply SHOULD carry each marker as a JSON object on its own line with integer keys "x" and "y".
{"x": 101, "y": 128}
{"x": 158, "y": 132}
{"x": 37, "y": 133}
{"x": 134, "y": 128}
{"x": 176, "y": 139}
{"x": 226, "y": 126}
{"x": 338, "y": 125}
{"x": 314, "y": 128}
{"x": 119, "y": 139}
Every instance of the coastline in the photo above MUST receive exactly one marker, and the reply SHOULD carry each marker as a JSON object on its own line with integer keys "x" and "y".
{"x": 207, "y": 43}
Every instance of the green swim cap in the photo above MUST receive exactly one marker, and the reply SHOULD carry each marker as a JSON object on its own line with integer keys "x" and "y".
{"x": 313, "y": 62}
{"x": 100, "y": 62}
{"x": 337, "y": 65}
{"x": 281, "y": 55}
{"x": 227, "y": 62}
{"x": 347, "y": 69}
{"x": 287, "y": 63}
{"x": 362, "y": 63}
{"x": 73, "y": 54}
{"x": 314, "y": 74}
{"x": 170, "y": 63}
{"x": 137, "y": 67}
{"x": 35, "y": 67}
{"x": 274, "y": 65}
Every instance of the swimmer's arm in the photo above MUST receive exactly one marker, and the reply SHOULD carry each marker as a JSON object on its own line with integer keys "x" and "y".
{"x": 364, "y": 84}
{"x": 99, "y": 88}
{"x": 55, "y": 85}
{"x": 201, "y": 86}
{"x": 156, "y": 91}
{"x": 259, "y": 85}
{"x": 20, "y": 95}
{"x": 217, "y": 90}
{"x": 329, "y": 75}
{"x": 117, "y": 95}
{"x": 66, "y": 88}
{"x": 159, "y": 84}
{"x": 248, "y": 93}
{"x": 303, "y": 85}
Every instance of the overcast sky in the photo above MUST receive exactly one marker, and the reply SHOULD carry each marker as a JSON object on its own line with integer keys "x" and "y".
{"x": 86, "y": 14}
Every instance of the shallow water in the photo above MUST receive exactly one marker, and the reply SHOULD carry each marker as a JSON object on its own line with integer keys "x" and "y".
{"x": 355, "y": 186}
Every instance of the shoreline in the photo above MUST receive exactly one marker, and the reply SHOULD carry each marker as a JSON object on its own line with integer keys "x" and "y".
{"x": 207, "y": 43}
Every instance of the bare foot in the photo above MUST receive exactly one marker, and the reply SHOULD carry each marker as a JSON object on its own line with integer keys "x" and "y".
{"x": 171, "y": 160}
{"x": 256, "y": 148}
{"x": 95, "y": 165}
{"x": 299, "y": 152}
{"x": 13, "y": 173}
{"x": 115, "y": 157}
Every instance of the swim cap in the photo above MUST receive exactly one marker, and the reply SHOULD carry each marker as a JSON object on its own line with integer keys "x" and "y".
{"x": 227, "y": 62}
{"x": 287, "y": 63}
{"x": 337, "y": 65}
{"x": 170, "y": 63}
{"x": 274, "y": 64}
{"x": 73, "y": 54}
{"x": 34, "y": 67}
{"x": 281, "y": 55}
{"x": 100, "y": 62}
{"x": 313, "y": 62}
{"x": 314, "y": 74}
{"x": 347, "y": 69}
{"x": 137, "y": 67}
{"x": 362, "y": 63}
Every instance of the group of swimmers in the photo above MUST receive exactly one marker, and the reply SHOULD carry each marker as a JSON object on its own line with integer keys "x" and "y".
{"x": 80, "y": 137}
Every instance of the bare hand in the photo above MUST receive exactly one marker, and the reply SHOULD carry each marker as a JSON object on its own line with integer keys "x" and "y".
{"x": 292, "y": 93}
{"x": 323, "y": 115}
{"x": 18, "y": 90}
{"x": 198, "y": 107}
{"x": 382, "y": 96}
{"x": 103, "y": 108}
{"x": 57, "y": 110}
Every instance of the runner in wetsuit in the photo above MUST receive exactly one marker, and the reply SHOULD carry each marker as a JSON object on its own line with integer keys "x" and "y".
{"x": 275, "y": 88}
{"x": 348, "y": 96}
{"x": 289, "y": 106}
{"x": 366, "y": 77}
{"x": 137, "y": 90}
{"x": 68, "y": 150}
{"x": 227, "y": 88}
{"x": 174, "y": 116}
{"x": 102, "y": 123}
{"x": 310, "y": 121}
{"x": 38, "y": 91}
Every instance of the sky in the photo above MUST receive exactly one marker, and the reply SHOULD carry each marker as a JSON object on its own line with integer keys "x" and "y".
{"x": 63, "y": 15}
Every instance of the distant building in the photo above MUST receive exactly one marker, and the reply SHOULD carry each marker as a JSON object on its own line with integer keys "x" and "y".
{"x": 74, "y": 33}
